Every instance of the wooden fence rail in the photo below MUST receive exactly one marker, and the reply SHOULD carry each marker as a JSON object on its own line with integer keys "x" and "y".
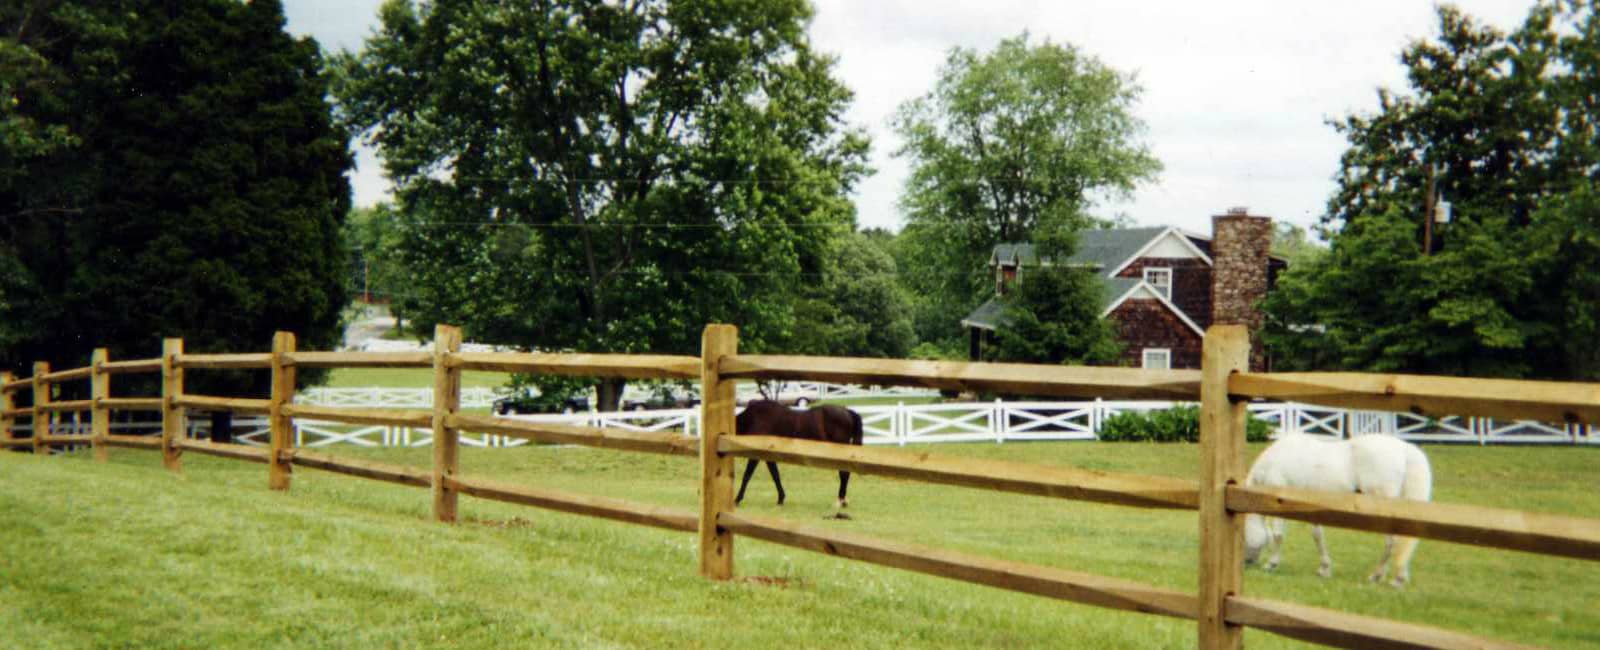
{"x": 1222, "y": 387}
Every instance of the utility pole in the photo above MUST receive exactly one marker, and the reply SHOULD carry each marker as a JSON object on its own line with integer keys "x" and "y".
{"x": 1427, "y": 216}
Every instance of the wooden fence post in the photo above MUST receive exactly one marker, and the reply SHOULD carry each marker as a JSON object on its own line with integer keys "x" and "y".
{"x": 1222, "y": 437}
{"x": 281, "y": 427}
{"x": 41, "y": 417}
{"x": 716, "y": 469}
{"x": 446, "y": 402}
{"x": 8, "y": 420}
{"x": 171, "y": 413}
{"x": 100, "y": 415}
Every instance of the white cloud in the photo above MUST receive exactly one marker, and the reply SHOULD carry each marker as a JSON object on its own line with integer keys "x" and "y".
{"x": 1236, "y": 94}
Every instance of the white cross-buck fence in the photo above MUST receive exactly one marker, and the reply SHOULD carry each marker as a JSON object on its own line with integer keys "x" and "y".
{"x": 898, "y": 424}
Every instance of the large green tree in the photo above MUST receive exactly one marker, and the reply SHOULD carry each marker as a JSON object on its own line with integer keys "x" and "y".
{"x": 855, "y": 307}
{"x": 194, "y": 186}
{"x": 1024, "y": 137}
{"x": 603, "y": 176}
{"x": 1502, "y": 125}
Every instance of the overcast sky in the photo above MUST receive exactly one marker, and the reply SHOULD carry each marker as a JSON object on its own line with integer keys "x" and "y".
{"x": 1236, "y": 93}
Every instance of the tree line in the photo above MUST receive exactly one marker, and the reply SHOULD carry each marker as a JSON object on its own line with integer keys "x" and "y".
{"x": 608, "y": 177}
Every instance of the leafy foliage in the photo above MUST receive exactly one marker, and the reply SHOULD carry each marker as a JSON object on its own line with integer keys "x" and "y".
{"x": 548, "y": 393}
{"x": 606, "y": 177}
{"x": 1053, "y": 316}
{"x": 1506, "y": 120}
{"x": 180, "y": 176}
{"x": 857, "y": 308}
{"x": 1177, "y": 424}
{"x": 1008, "y": 143}
{"x": 376, "y": 242}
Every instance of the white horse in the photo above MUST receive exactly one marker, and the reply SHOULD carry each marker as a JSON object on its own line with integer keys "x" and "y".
{"x": 1375, "y": 464}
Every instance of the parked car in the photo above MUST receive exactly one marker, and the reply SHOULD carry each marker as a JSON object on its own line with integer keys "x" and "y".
{"x": 524, "y": 404}
{"x": 660, "y": 402}
{"x": 659, "y": 397}
{"x": 800, "y": 402}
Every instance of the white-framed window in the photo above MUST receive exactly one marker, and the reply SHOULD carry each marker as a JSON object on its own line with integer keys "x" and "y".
{"x": 1161, "y": 279}
{"x": 1157, "y": 359}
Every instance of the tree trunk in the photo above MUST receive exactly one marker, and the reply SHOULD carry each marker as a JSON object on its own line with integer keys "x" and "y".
{"x": 610, "y": 394}
{"x": 222, "y": 426}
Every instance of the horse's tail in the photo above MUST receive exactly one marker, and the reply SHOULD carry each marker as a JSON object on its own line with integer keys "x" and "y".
{"x": 857, "y": 431}
{"x": 1418, "y": 482}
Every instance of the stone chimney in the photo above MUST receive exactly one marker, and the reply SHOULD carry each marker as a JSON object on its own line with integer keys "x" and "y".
{"x": 1239, "y": 247}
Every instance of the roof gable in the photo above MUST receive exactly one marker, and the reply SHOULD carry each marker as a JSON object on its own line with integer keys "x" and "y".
{"x": 1142, "y": 290}
{"x": 1168, "y": 243}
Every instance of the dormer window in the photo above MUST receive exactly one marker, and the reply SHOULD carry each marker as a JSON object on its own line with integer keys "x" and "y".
{"x": 1161, "y": 280}
{"x": 1006, "y": 276}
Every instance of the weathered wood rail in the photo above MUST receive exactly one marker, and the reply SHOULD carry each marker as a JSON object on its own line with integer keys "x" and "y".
{"x": 1222, "y": 387}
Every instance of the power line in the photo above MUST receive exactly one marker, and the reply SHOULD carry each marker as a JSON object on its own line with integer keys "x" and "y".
{"x": 665, "y": 225}
{"x": 671, "y": 180}
{"x": 796, "y": 274}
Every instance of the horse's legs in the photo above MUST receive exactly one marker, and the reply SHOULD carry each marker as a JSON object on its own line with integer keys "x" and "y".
{"x": 1382, "y": 570}
{"x": 844, "y": 482}
{"x": 1402, "y": 561}
{"x": 1274, "y": 543}
{"x": 1326, "y": 570}
{"x": 749, "y": 470}
{"x": 772, "y": 468}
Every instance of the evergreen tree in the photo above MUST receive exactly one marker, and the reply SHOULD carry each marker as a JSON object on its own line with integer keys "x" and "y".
{"x": 1052, "y": 313}
{"x": 200, "y": 195}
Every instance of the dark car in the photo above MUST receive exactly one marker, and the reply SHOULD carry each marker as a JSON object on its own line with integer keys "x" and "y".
{"x": 660, "y": 402}
{"x": 524, "y": 404}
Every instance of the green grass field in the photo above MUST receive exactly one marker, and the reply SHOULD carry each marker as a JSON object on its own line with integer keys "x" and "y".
{"x": 126, "y": 554}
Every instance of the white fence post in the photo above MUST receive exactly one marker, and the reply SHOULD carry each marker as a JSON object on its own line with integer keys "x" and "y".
{"x": 897, "y": 423}
{"x": 999, "y": 421}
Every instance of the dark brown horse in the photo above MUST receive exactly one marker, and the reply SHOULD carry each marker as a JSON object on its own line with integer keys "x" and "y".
{"x": 835, "y": 424}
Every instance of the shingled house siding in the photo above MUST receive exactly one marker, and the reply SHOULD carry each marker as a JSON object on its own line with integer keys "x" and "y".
{"x": 1144, "y": 323}
{"x": 1191, "y": 284}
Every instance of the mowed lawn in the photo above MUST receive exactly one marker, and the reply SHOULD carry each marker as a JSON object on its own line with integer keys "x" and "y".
{"x": 126, "y": 554}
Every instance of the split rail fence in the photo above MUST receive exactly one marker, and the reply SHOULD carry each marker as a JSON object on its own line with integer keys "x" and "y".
{"x": 1223, "y": 386}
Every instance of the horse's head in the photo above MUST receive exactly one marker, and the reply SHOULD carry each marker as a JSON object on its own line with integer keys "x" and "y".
{"x": 1255, "y": 536}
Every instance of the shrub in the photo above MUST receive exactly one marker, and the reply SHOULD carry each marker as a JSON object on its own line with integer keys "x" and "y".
{"x": 1177, "y": 424}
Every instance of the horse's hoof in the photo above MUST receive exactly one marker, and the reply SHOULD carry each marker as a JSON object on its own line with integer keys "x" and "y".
{"x": 1325, "y": 572}
{"x": 1270, "y": 566}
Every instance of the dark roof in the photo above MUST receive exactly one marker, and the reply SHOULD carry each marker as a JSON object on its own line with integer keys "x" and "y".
{"x": 988, "y": 316}
{"x": 991, "y": 314}
{"x": 1114, "y": 288}
{"x": 1105, "y": 249}
{"x": 1098, "y": 249}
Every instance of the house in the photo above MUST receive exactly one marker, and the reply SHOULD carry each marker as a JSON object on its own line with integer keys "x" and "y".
{"x": 1163, "y": 286}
